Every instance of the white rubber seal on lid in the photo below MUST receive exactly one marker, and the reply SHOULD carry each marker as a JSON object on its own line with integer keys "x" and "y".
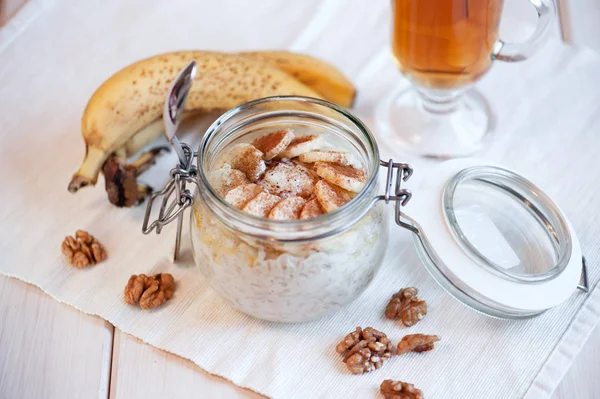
{"x": 427, "y": 210}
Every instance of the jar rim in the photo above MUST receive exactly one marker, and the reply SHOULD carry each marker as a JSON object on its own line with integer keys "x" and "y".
{"x": 322, "y": 226}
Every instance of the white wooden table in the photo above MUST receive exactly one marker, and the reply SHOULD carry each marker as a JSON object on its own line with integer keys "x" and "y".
{"x": 50, "y": 350}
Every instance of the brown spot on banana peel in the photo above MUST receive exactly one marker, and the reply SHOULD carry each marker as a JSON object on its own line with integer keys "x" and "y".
{"x": 93, "y": 139}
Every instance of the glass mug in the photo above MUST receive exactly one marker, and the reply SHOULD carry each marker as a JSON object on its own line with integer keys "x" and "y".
{"x": 443, "y": 47}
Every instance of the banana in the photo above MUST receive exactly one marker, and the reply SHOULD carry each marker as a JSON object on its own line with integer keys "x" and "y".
{"x": 301, "y": 145}
{"x": 133, "y": 98}
{"x": 311, "y": 209}
{"x": 145, "y": 136}
{"x": 322, "y": 77}
{"x": 288, "y": 179}
{"x": 241, "y": 195}
{"x": 226, "y": 178}
{"x": 274, "y": 143}
{"x": 262, "y": 204}
{"x": 331, "y": 197}
{"x": 139, "y": 140}
{"x": 287, "y": 209}
{"x": 346, "y": 177}
{"x": 246, "y": 158}
{"x": 332, "y": 156}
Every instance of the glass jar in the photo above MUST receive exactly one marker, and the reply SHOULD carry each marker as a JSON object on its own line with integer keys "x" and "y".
{"x": 488, "y": 236}
{"x": 288, "y": 270}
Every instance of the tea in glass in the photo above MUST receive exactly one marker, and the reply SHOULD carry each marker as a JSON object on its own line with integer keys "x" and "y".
{"x": 445, "y": 44}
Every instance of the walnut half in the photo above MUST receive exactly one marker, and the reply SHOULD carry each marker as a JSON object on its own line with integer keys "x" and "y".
{"x": 365, "y": 350}
{"x": 83, "y": 250}
{"x": 417, "y": 343}
{"x": 399, "y": 390}
{"x": 149, "y": 291}
{"x": 406, "y": 306}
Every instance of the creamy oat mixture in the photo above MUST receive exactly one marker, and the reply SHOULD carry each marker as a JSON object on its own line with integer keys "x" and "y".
{"x": 280, "y": 176}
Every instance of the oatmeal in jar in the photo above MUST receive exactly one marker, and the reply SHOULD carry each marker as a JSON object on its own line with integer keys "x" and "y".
{"x": 286, "y": 228}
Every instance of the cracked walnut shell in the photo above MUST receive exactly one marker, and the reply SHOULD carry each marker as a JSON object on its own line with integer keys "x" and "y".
{"x": 83, "y": 250}
{"x": 399, "y": 390}
{"x": 365, "y": 350}
{"x": 406, "y": 306}
{"x": 149, "y": 291}
{"x": 417, "y": 343}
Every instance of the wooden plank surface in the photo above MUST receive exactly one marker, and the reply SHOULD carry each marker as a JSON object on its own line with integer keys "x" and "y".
{"x": 50, "y": 350}
{"x": 141, "y": 371}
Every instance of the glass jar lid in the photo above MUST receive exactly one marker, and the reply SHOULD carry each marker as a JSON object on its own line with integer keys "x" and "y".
{"x": 494, "y": 240}
{"x": 506, "y": 224}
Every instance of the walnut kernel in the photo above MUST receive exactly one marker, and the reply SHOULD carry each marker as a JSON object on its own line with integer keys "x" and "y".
{"x": 83, "y": 250}
{"x": 417, "y": 343}
{"x": 406, "y": 306}
{"x": 149, "y": 291}
{"x": 399, "y": 390}
{"x": 365, "y": 350}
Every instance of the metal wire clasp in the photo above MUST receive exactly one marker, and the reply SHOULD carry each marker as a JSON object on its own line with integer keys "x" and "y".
{"x": 400, "y": 195}
{"x": 176, "y": 198}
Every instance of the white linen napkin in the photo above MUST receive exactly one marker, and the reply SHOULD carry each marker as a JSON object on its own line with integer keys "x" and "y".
{"x": 547, "y": 128}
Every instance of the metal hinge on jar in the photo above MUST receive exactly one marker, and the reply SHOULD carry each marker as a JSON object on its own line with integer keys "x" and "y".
{"x": 176, "y": 198}
{"x": 400, "y": 196}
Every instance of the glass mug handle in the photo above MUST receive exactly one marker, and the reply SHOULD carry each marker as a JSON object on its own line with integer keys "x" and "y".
{"x": 513, "y": 52}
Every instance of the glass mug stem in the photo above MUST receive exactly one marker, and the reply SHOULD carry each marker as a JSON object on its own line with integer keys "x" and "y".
{"x": 439, "y": 101}
{"x": 443, "y": 47}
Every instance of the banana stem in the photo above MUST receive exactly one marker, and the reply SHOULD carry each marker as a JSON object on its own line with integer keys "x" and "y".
{"x": 88, "y": 172}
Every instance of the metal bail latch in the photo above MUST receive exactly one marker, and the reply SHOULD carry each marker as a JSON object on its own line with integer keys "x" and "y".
{"x": 400, "y": 196}
{"x": 176, "y": 198}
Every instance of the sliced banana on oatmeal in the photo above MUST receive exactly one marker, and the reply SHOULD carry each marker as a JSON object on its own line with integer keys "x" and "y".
{"x": 226, "y": 178}
{"x": 262, "y": 204}
{"x": 246, "y": 158}
{"x": 347, "y": 177}
{"x": 333, "y": 156}
{"x": 311, "y": 209}
{"x": 241, "y": 195}
{"x": 301, "y": 145}
{"x": 287, "y": 209}
{"x": 273, "y": 144}
{"x": 283, "y": 176}
{"x": 288, "y": 179}
{"x": 331, "y": 197}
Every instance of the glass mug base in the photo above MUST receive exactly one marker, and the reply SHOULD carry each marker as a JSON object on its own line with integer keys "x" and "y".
{"x": 445, "y": 127}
